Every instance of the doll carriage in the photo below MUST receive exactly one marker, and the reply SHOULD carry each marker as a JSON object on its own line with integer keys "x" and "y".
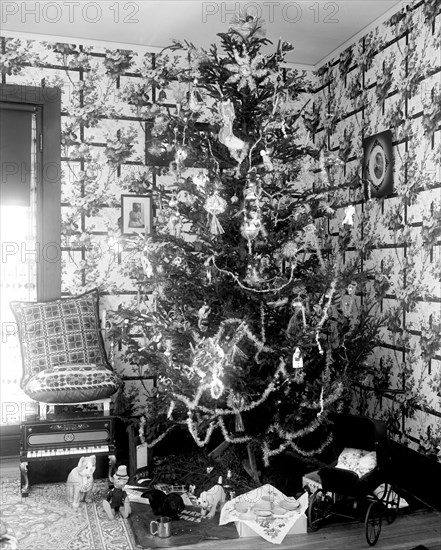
{"x": 355, "y": 485}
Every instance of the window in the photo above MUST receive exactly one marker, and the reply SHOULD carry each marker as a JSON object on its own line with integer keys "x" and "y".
{"x": 30, "y": 262}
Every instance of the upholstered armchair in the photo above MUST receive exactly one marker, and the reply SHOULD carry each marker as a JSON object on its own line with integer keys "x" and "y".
{"x": 63, "y": 354}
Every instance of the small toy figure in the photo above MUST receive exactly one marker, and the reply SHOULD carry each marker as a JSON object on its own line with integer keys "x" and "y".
{"x": 117, "y": 499}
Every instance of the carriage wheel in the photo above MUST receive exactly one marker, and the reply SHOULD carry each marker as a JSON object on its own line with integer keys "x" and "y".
{"x": 317, "y": 509}
{"x": 392, "y": 504}
{"x": 373, "y": 522}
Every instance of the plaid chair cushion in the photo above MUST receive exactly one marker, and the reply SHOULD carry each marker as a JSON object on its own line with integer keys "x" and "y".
{"x": 63, "y": 334}
{"x": 72, "y": 384}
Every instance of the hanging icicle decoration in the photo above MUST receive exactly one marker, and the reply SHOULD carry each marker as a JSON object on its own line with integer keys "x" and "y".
{"x": 317, "y": 339}
{"x": 262, "y": 323}
{"x": 321, "y": 404}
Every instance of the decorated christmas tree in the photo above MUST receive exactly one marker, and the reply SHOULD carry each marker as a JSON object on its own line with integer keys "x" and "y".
{"x": 247, "y": 314}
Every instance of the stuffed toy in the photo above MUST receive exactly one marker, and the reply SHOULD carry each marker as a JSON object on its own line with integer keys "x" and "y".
{"x": 170, "y": 505}
{"x": 210, "y": 500}
{"x": 117, "y": 499}
{"x": 80, "y": 481}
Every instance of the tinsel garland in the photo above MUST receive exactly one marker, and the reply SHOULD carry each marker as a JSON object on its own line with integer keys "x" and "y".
{"x": 243, "y": 325}
{"x": 288, "y": 437}
{"x": 262, "y": 323}
{"x": 193, "y": 405}
{"x": 267, "y": 453}
{"x": 194, "y": 433}
{"x": 155, "y": 441}
{"x": 256, "y": 290}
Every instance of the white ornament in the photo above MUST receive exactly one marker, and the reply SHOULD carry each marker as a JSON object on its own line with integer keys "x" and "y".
{"x": 297, "y": 359}
{"x": 349, "y": 215}
{"x": 266, "y": 160}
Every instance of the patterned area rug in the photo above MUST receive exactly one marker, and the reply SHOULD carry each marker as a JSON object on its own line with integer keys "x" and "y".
{"x": 45, "y": 521}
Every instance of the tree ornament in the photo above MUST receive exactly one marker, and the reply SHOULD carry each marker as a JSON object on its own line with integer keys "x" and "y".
{"x": 297, "y": 359}
{"x": 251, "y": 226}
{"x": 250, "y": 192}
{"x": 195, "y": 101}
{"x": 200, "y": 180}
{"x": 203, "y": 314}
{"x": 237, "y": 148}
{"x": 216, "y": 388}
{"x": 181, "y": 155}
{"x": 246, "y": 70}
{"x": 253, "y": 277}
{"x": 215, "y": 205}
{"x": 349, "y": 215}
{"x": 299, "y": 311}
{"x": 173, "y": 202}
{"x": 162, "y": 96}
{"x": 290, "y": 249}
{"x": 237, "y": 403}
{"x": 244, "y": 24}
{"x": 146, "y": 266}
{"x": 175, "y": 224}
{"x": 267, "y": 163}
{"x": 347, "y": 300}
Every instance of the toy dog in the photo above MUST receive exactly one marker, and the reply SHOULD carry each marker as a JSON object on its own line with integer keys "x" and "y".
{"x": 210, "y": 500}
{"x": 80, "y": 481}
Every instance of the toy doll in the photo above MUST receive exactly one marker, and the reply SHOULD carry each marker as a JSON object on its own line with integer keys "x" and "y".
{"x": 117, "y": 499}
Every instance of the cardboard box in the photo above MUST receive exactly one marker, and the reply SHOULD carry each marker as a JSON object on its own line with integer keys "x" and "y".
{"x": 299, "y": 527}
{"x": 311, "y": 482}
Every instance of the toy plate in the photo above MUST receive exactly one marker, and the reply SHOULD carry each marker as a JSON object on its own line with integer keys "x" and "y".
{"x": 289, "y": 504}
{"x": 263, "y": 513}
{"x": 279, "y": 511}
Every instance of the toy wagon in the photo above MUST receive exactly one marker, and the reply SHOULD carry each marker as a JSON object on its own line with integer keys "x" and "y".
{"x": 356, "y": 483}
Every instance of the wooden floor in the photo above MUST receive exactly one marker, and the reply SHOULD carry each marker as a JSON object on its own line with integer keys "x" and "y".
{"x": 422, "y": 527}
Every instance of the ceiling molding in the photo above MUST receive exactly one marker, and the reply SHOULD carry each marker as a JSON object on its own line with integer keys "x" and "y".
{"x": 142, "y": 49}
{"x": 81, "y": 41}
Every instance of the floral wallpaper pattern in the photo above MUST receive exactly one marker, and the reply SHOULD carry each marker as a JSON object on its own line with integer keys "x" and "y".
{"x": 388, "y": 80}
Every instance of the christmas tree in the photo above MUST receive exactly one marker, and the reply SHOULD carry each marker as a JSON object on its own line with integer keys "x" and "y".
{"x": 246, "y": 312}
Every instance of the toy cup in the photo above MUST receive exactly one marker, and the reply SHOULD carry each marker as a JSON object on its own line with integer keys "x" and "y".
{"x": 163, "y": 527}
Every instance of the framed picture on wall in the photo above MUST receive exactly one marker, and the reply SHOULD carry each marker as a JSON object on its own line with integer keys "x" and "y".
{"x": 378, "y": 165}
{"x": 136, "y": 214}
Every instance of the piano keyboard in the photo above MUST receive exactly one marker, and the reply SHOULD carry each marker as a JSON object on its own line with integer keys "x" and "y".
{"x": 50, "y": 449}
{"x": 89, "y": 450}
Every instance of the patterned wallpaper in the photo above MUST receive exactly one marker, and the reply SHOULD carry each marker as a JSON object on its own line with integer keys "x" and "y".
{"x": 390, "y": 79}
